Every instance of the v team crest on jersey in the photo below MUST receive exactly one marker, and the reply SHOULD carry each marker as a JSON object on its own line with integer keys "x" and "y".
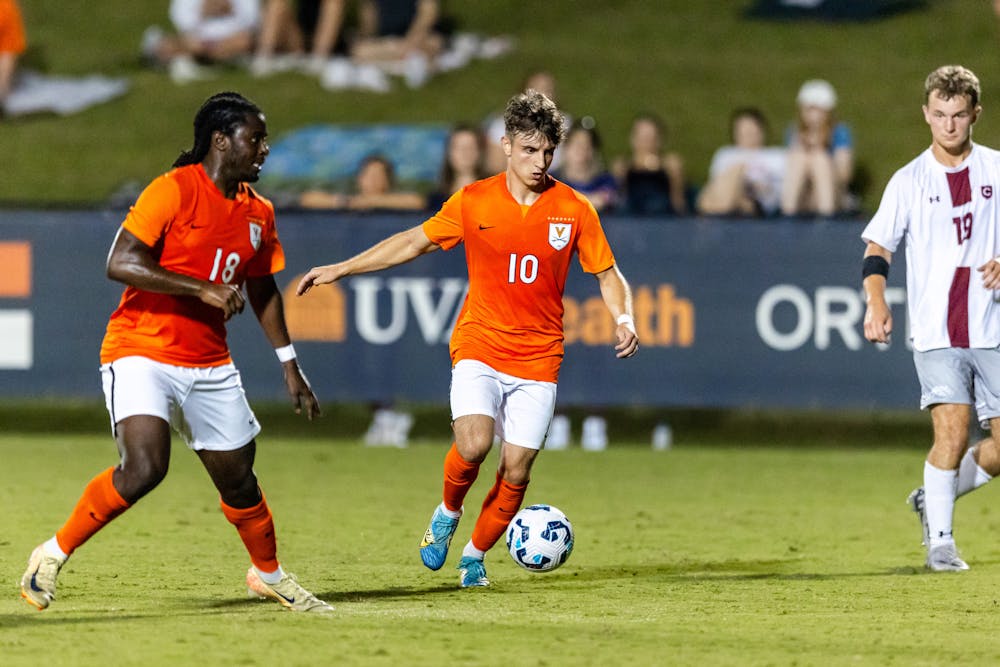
{"x": 255, "y": 235}
{"x": 559, "y": 233}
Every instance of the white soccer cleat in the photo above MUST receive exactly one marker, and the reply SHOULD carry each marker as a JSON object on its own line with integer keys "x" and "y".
{"x": 916, "y": 503}
{"x": 945, "y": 558}
{"x": 287, "y": 592}
{"x": 38, "y": 583}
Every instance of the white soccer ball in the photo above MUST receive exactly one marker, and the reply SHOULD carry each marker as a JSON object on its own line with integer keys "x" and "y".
{"x": 540, "y": 538}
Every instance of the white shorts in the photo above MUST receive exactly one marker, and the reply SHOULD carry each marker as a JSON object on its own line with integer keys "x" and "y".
{"x": 522, "y": 409}
{"x": 966, "y": 376}
{"x": 206, "y": 406}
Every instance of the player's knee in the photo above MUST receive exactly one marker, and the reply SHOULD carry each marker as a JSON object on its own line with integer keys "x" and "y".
{"x": 474, "y": 448}
{"x": 243, "y": 492}
{"x": 142, "y": 474}
{"x": 516, "y": 476}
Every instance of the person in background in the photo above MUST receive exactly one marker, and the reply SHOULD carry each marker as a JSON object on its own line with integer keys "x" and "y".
{"x": 208, "y": 32}
{"x": 12, "y": 45}
{"x": 393, "y": 37}
{"x": 464, "y": 163}
{"x": 195, "y": 239}
{"x": 820, "y": 163}
{"x": 583, "y": 167}
{"x": 651, "y": 178}
{"x": 744, "y": 177}
{"x": 291, "y": 30}
{"x": 375, "y": 189}
{"x": 520, "y": 229}
{"x": 944, "y": 204}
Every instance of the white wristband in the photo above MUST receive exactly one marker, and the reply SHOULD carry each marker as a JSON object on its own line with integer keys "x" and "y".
{"x": 627, "y": 320}
{"x": 286, "y": 353}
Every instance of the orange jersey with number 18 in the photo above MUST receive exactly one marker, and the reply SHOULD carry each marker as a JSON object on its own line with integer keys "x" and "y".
{"x": 518, "y": 258}
{"x": 195, "y": 231}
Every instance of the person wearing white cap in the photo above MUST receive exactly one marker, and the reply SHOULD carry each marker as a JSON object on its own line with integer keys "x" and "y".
{"x": 820, "y": 155}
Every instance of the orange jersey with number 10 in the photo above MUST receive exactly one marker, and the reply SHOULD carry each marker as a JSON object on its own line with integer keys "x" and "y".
{"x": 193, "y": 230}
{"x": 518, "y": 258}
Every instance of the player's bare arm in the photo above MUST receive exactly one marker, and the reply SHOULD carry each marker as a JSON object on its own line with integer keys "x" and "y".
{"x": 878, "y": 316}
{"x": 265, "y": 299}
{"x": 991, "y": 274}
{"x": 617, "y": 297}
{"x": 133, "y": 262}
{"x": 397, "y": 249}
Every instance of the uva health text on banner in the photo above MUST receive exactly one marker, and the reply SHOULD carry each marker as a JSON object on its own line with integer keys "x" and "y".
{"x": 732, "y": 313}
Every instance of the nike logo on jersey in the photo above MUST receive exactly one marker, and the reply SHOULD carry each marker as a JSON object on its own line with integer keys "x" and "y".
{"x": 482, "y": 227}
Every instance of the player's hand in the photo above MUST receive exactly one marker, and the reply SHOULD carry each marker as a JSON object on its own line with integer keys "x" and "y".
{"x": 878, "y": 322}
{"x": 300, "y": 391}
{"x": 991, "y": 274}
{"x": 318, "y": 275}
{"x": 628, "y": 341}
{"x": 228, "y": 298}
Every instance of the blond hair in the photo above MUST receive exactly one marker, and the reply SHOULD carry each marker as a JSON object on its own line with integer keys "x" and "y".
{"x": 950, "y": 81}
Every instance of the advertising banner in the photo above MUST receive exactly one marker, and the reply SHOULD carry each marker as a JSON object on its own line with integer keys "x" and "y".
{"x": 730, "y": 313}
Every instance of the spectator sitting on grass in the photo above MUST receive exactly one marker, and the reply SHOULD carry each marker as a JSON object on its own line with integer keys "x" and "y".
{"x": 464, "y": 163}
{"x": 208, "y": 32}
{"x": 374, "y": 189}
{"x": 583, "y": 167}
{"x": 820, "y": 156}
{"x": 12, "y": 45}
{"x": 651, "y": 177}
{"x": 745, "y": 177}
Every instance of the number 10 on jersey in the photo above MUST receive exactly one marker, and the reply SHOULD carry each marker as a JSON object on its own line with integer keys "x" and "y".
{"x": 524, "y": 269}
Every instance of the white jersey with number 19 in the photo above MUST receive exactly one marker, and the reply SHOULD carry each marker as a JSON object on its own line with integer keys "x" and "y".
{"x": 949, "y": 218}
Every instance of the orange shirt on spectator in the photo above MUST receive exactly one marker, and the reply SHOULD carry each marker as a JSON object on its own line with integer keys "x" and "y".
{"x": 12, "y": 37}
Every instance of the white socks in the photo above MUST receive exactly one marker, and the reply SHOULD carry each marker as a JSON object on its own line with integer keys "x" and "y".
{"x": 52, "y": 548}
{"x": 270, "y": 577}
{"x": 970, "y": 475}
{"x": 939, "y": 502}
{"x": 472, "y": 552}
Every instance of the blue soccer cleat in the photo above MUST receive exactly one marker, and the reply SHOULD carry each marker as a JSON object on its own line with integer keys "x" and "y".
{"x": 437, "y": 539}
{"x": 472, "y": 573}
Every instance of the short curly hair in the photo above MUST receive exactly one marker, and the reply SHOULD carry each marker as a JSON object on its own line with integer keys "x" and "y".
{"x": 530, "y": 113}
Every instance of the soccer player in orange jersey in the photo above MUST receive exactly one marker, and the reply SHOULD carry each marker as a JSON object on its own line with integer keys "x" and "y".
{"x": 193, "y": 239}
{"x": 520, "y": 229}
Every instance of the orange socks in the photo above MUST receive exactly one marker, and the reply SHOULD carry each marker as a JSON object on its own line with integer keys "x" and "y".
{"x": 99, "y": 504}
{"x": 256, "y": 529}
{"x": 500, "y": 506}
{"x": 459, "y": 475}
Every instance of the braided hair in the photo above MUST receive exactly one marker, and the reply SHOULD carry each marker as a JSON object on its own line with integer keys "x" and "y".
{"x": 222, "y": 112}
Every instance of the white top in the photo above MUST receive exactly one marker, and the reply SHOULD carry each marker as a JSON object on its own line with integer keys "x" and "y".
{"x": 949, "y": 218}
{"x": 763, "y": 171}
{"x": 186, "y": 17}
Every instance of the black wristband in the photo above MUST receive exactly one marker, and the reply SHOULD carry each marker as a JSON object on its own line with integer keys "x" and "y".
{"x": 874, "y": 265}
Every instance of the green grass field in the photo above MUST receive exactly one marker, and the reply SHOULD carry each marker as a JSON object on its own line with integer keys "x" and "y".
{"x": 691, "y": 62}
{"x": 711, "y": 553}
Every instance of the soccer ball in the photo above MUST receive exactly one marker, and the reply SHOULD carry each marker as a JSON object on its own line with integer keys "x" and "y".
{"x": 540, "y": 538}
